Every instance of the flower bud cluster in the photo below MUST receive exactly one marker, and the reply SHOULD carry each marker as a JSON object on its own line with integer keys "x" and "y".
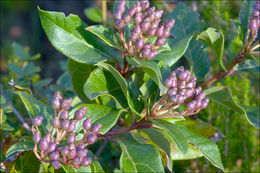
{"x": 181, "y": 90}
{"x": 73, "y": 153}
{"x": 146, "y": 25}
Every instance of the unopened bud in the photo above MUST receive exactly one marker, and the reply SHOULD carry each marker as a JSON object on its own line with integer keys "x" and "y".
{"x": 37, "y": 137}
{"x": 56, "y": 164}
{"x": 91, "y": 138}
{"x": 71, "y": 138}
{"x": 86, "y": 161}
{"x": 79, "y": 114}
{"x": 37, "y": 121}
{"x": 87, "y": 124}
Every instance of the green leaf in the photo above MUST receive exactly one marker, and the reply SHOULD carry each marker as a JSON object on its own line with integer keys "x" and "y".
{"x": 79, "y": 74}
{"x": 19, "y": 147}
{"x": 186, "y": 24}
{"x": 245, "y": 14}
{"x": 174, "y": 133}
{"x": 192, "y": 153}
{"x": 105, "y": 115}
{"x": 239, "y": 28}
{"x": 158, "y": 138}
{"x": 123, "y": 84}
{"x": 6, "y": 126}
{"x": 137, "y": 157}
{"x": 253, "y": 116}
{"x": 35, "y": 107}
{"x": 256, "y": 58}
{"x": 103, "y": 83}
{"x": 200, "y": 127}
{"x": 197, "y": 55}
{"x": 2, "y": 156}
{"x": 107, "y": 34}
{"x": 68, "y": 35}
{"x": 222, "y": 95}
{"x": 177, "y": 51}
{"x": 208, "y": 148}
{"x": 215, "y": 40}
{"x": 247, "y": 66}
{"x": 150, "y": 68}
{"x": 27, "y": 162}
{"x": 20, "y": 51}
{"x": 93, "y": 14}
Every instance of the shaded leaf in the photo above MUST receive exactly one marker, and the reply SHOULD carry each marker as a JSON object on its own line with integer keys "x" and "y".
{"x": 186, "y": 24}
{"x": 20, "y": 51}
{"x": 79, "y": 73}
{"x": 197, "y": 56}
{"x": 174, "y": 133}
{"x": 27, "y": 162}
{"x": 245, "y": 14}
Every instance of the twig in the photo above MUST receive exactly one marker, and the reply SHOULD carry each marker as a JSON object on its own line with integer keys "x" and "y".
{"x": 239, "y": 58}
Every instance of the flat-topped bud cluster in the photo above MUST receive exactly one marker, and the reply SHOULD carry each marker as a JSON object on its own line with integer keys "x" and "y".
{"x": 73, "y": 153}
{"x": 146, "y": 26}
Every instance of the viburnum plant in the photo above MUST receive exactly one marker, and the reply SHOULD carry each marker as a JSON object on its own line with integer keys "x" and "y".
{"x": 132, "y": 91}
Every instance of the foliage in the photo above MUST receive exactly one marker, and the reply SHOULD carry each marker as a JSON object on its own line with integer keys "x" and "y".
{"x": 121, "y": 89}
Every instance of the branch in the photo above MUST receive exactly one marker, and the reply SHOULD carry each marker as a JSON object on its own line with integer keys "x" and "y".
{"x": 221, "y": 74}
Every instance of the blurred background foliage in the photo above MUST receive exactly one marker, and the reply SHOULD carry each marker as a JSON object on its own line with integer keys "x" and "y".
{"x": 29, "y": 58}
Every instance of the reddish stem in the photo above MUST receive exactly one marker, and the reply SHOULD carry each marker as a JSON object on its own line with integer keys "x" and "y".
{"x": 239, "y": 58}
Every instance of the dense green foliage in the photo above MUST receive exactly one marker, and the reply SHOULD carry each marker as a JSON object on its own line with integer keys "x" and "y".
{"x": 222, "y": 137}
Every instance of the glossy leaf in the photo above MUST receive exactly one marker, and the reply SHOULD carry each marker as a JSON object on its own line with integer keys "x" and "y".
{"x": 101, "y": 83}
{"x": 27, "y": 162}
{"x": 105, "y": 115}
{"x": 186, "y": 24}
{"x": 123, "y": 84}
{"x": 68, "y": 35}
{"x": 35, "y": 107}
{"x": 192, "y": 153}
{"x": 223, "y": 96}
{"x": 19, "y": 147}
{"x": 107, "y": 34}
{"x": 215, "y": 40}
{"x": 174, "y": 133}
{"x": 79, "y": 73}
{"x": 208, "y": 148}
{"x": 150, "y": 68}
{"x": 132, "y": 160}
{"x": 93, "y": 14}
